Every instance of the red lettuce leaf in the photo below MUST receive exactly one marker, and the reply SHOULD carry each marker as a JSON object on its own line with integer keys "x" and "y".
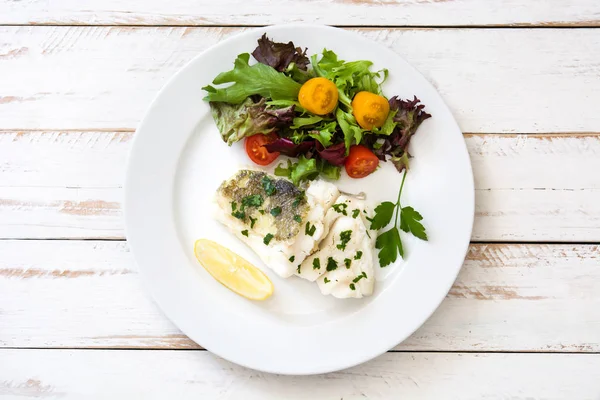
{"x": 279, "y": 55}
{"x": 288, "y": 148}
{"x": 335, "y": 155}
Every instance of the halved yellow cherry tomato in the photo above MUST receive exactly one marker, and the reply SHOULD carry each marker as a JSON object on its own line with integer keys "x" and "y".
{"x": 370, "y": 110}
{"x": 319, "y": 96}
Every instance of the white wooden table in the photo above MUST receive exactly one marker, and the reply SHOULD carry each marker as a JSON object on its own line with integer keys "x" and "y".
{"x": 521, "y": 322}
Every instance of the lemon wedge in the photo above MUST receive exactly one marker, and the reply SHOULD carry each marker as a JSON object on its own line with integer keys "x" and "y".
{"x": 233, "y": 271}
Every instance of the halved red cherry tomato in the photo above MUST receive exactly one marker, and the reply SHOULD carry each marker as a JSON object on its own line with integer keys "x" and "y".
{"x": 256, "y": 151}
{"x": 360, "y": 162}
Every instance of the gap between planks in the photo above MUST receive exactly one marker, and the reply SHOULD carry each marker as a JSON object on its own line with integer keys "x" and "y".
{"x": 551, "y": 25}
{"x": 201, "y": 349}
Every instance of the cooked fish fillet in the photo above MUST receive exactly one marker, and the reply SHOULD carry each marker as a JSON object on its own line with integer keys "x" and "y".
{"x": 343, "y": 264}
{"x": 280, "y": 222}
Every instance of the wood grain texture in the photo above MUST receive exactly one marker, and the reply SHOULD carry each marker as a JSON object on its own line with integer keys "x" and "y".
{"x": 528, "y": 187}
{"x": 333, "y": 12}
{"x": 88, "y": 294}
{"x": 494, "y": 80}
{"x": 182, "y": 375}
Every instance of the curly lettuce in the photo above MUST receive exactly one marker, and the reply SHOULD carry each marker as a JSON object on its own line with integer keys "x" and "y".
{"x": 237, "y": 121}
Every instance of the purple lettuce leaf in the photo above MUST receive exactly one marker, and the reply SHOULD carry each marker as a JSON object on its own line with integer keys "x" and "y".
{"x": 280, "y": 55}
{"x": 409, "y": 116}
{"x": 335, "y": 155}
{"x": 288, "y": 148}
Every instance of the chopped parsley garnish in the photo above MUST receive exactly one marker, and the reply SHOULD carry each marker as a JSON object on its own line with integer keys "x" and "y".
{"x": 331, "y": 264}
{"x": 316, "y": 263}
{"x": 252, "y": 222}
{"x": 347, "y": 262}
{"x": 345, "y": 238}
{"x": 268, "y": 185}
{"x": 298, "y": 199}
{"x": 267, "y": 238}
{"x": 406, "y": 219}
{"x": 355, "y": 213}
{"x": 309, "y": 230}
{"x": 298, "y": 269}
{"x": 239, "y": 214}
{"x": 352, "y": 286}
{"x": 245, "y": 232}
{"x": 358, "y": 278}
{"x": 275, "y": 211}
{"x": 358, "y": 255}
{"x": 254, "y": 200}
{"x": 262, "y": 212}
{"x": 326, "y": 280}
{"x": 340, "y": 208}
{"x": 297, "y": 218}
{"x": 292, "y": 258}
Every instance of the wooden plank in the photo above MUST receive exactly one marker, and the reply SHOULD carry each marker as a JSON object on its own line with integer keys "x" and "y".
{"x": 494, "y": 80}
{"x": 339, "y": 12}
{"x": 507, "y": 298}
{"x": 528, "y": 187}
{"x": 76, "y": 374}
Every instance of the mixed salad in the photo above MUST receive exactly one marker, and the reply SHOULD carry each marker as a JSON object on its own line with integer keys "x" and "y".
{"x": 323, "y": 112}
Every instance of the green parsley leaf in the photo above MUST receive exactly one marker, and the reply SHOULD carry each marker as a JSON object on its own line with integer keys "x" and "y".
{"x": 297, "y": 218}
{"x": 352, "y": 286}
{"x": 239, "y": 214}
{"x": 298, "y": 269}
{"x": 252, "y": 222}
{"x": 268, "y": 185}
{"x": 275, "y": 211}
{"x": 358, "y": 255}
{"x": 358, "y": 278}
{"x": 245, "y": 232}
{"x": 298, "y": 199}
{"x": 331, "y": 264}
{"x": 316, "y": 263}
{"x": 355, "y": 213}
{"x": 344, "y": 238}
{"x": 340, "y": 208}
{"x": 383, "y": 215}
{"x": 326, "y": 280}
{"x": 410, "y": 222}
{"x": 347, "y": 262}
{"x": 292, "y": 258}
{"x": 262, "y": 212}
{"x": 309, "y": 230}
{"x": 267, "y": 238}
{"x": 389, "y": 245}
{"x": 255, "y": 200}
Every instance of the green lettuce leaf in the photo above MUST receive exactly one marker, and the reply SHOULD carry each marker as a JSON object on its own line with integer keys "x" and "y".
{"x": 249, "y": 80}
{"x": 352, "y": 131}
{"x": 324, "y": 133}
{"x": 349, "y": 77}
{"x": 304, "y": 169}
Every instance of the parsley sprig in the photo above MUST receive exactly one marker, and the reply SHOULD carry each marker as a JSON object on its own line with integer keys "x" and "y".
{"x": 406, "y": 218}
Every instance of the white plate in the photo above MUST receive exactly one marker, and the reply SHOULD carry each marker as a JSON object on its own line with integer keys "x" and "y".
{"x": 177, "y": 162}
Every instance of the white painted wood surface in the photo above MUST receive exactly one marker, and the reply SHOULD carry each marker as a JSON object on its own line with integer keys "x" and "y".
{"x": 332, "y": 12}
{"x": 528, "y": 187}
{"x": 506, "y": 298}
{"x": 494, "y": 80}
{"x": 106, "y": 374}
{"x": 71, "y": 96}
